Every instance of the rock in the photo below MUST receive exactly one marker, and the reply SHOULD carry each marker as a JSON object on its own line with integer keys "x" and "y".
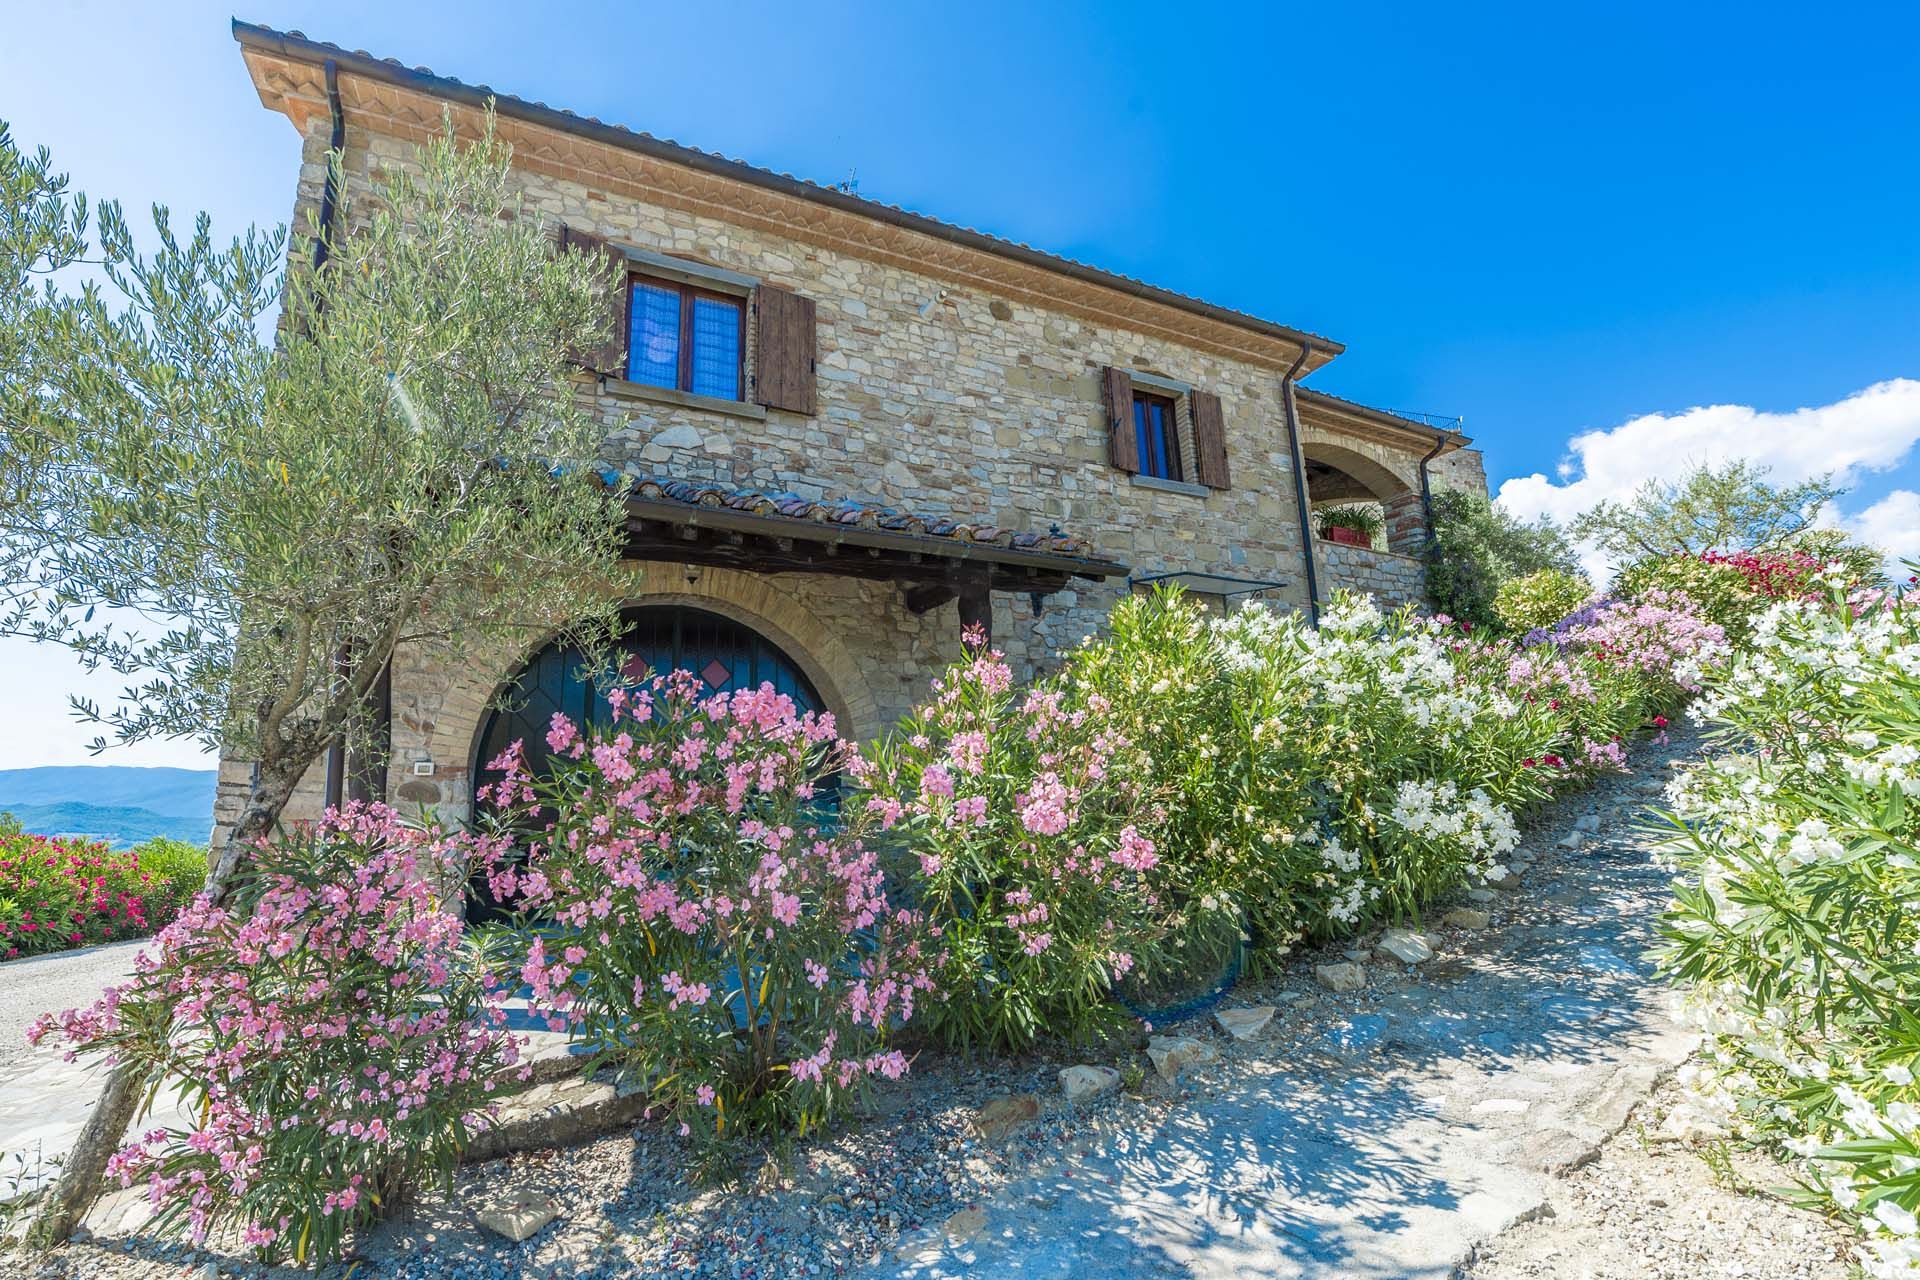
{"x": 680, "y": 437}
{"x": 1359, "y": 955}
{"x": 1173, "y": 1054}
{"x": 965, "y": 1225}
{"x": 1588, "y": 822}
{"x": 1481, "y": 895}
{"x": 1505, "y": 879}
{"x": 1500, "y": 1106}
{"x": 1340, "y": 977}
{"x": 1001, "y": 1116}
{"x": 1243, "y": 1024}
{"x": 1466, "y": 918}
{"x": 1084, "y": 1082}
{"x": 1406, "y": 946}
{"x": 208, "y": 1271}
{"x": 1571, "y": 840}
{"x": 518, "y": 1216}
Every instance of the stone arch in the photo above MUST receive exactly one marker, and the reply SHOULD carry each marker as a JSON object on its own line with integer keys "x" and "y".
{"x": 1339, "y": 474}
{"x": 448, "y": 731}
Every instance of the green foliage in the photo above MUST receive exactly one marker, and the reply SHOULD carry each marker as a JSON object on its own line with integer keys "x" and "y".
{"x": 1540, "y": 599}
{"x": 1717, "y": 588}
{"x": 1185, "y": 779}
{"x": 1793, "y": 925}
{"x": 1477, "y": 546}
{"x": 1359, "y": 519}
{"x": 56, "y": 894}
{"x": 42, "y": 231}
{"x": 1860, "y": 565}
{"x": 1730, "y": 508}
{"x": 406, "y": 465}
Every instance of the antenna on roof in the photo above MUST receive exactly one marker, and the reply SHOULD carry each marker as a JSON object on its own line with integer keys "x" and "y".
{"x": 849, "y": 185}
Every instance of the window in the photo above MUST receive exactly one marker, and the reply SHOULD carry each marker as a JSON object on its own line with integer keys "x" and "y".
{"x": 685, "y": 339}
{"x": 1158, "y": 436}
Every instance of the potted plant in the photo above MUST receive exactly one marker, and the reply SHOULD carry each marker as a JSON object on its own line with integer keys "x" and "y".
{"x": 1354, "y": 526}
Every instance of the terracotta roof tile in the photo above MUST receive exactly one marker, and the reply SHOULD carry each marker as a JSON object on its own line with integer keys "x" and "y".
{"x": 792, "y": 506}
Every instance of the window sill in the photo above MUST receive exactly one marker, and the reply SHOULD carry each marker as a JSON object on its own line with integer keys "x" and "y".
{"x": 1171, "y": 486}
{"x": 682, "y": 399}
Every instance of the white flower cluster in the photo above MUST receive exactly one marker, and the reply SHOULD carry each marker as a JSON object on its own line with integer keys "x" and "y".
{"x": 1438, "y": 811}
{"x": 1812, "y": 822}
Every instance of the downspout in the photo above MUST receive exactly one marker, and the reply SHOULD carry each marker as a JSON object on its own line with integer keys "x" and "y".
{"x": 1426, "y": 484}
{"x": 1292, "y": 414}
{"x": 322, "y": 240}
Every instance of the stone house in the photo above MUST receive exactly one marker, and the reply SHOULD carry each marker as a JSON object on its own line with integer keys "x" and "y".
{"x": 855, "y": 428}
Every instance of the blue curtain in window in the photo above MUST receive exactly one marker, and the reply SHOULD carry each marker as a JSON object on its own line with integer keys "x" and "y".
{"x": 653, "y": 336}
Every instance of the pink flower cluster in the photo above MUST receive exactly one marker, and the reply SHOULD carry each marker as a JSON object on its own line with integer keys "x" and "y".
{"x": 323, "y": 1021}
{"x": 1656, "y": 636}
{"x": 1015, "y": 807}
{"x": 684, "y": 864}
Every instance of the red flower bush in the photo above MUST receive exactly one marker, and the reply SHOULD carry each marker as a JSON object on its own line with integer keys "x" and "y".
{"x": 56, "y": 894}
{"x": 1773, "y": 575}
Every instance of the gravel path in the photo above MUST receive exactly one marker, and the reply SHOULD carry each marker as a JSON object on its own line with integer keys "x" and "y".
{"x": 1654, "y": 1210}
{"x": 66, "y": 980}
{"x": 1393, "y": 1131}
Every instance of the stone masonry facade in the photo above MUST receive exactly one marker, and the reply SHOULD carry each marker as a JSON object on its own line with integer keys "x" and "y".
{"x": 946, "y": 383}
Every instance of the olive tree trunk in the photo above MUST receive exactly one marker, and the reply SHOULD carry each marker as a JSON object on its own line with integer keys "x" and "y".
{"x": 85, "y": 1166}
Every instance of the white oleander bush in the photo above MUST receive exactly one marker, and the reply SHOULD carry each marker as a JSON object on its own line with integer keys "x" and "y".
{"x": 1795, "y": 927}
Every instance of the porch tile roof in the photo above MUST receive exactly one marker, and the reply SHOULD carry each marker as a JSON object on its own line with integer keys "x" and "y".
{"x": 847, "y": 514}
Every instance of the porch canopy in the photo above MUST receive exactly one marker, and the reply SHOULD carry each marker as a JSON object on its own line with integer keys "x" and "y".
{"x": 934, "y": 559}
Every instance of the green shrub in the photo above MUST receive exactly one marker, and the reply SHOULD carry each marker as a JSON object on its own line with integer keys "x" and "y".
{"x": 1539, "y": 599}
{"x": 1476, "y": 546}
{"x": 1194, "y": 777}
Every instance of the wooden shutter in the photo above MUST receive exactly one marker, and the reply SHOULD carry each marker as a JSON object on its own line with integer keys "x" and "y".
{"x": 1209, "y": 440}
{"x": 1122, "y": 441}
{"x": 783, "y": 350}
{"x": 611, "y": 358}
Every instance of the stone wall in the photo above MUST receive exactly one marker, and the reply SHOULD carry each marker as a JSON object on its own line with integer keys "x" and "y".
{"x": 1394, "y": 579}
{"x": 987, "y": 407}
{"x": 1464, "y": 469}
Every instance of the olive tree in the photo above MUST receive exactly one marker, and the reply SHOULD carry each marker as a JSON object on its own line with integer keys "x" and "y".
{"x": 401, "y": 461}
{"x": 1729, "y": 508}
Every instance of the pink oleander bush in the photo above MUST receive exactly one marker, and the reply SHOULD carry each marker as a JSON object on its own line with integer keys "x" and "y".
{"x": 332, "y": 1028}
{"x": 1021, "y": 811}
{"x": 1662, "y": 641}
{"x": 703, "y": 920}
{"x": 57, "y": 893}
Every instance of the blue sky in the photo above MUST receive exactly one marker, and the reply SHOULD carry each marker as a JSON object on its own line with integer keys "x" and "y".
{"x": 1570, "y": 224}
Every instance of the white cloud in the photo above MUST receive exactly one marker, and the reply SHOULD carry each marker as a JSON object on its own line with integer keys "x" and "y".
{"x": 1893, "y": 525}
{"x": 1870, "y": 430}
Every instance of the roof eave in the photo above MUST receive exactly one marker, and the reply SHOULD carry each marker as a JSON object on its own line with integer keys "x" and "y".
{"x": 1448, "y": 441}
{"x": 266, "y": 39}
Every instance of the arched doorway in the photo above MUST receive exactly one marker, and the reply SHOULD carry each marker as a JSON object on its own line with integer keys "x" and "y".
{"x": 724, "y": 653}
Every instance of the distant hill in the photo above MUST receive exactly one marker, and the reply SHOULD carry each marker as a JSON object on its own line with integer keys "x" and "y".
{"x": 117, "y": 825}
{"x": 116, "y": 803}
